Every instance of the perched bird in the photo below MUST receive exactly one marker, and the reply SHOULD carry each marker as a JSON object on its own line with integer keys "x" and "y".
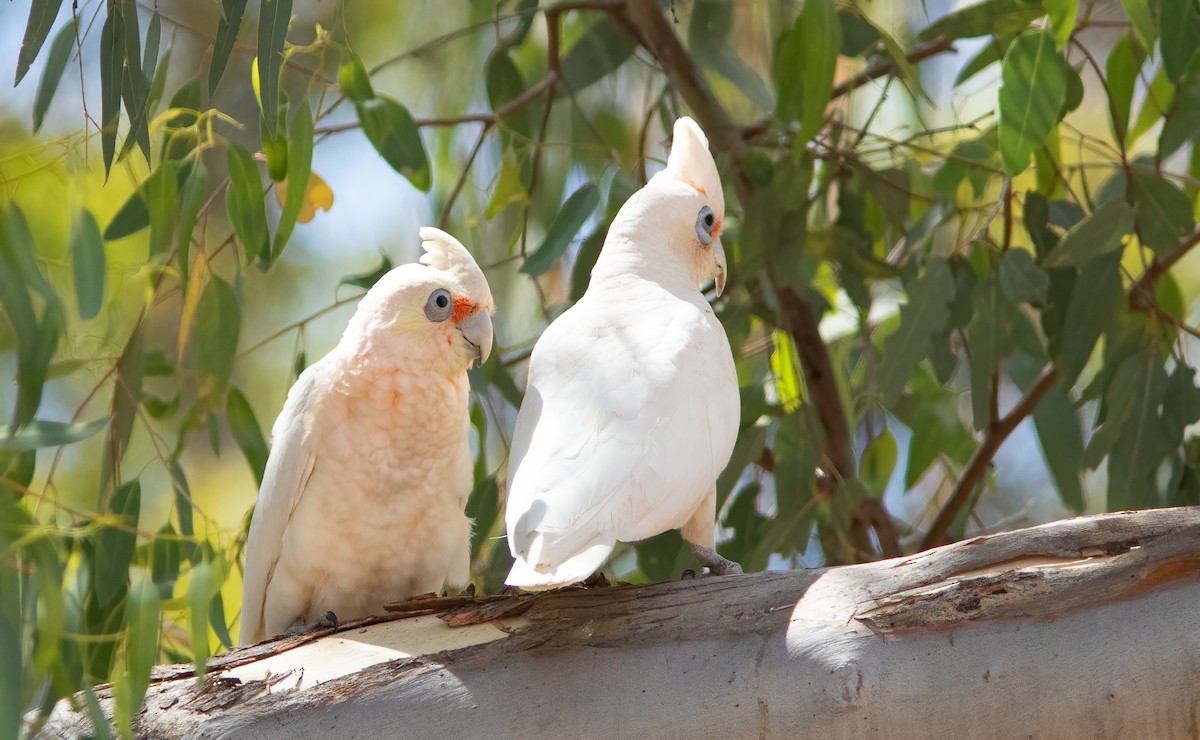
{"x": 632, "y": 404}
{"x": 363, "y": 495}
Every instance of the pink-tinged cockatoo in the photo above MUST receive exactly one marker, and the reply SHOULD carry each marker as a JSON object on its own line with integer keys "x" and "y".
{"x": 632, "y": 405}
{"x": 363, "y": 495}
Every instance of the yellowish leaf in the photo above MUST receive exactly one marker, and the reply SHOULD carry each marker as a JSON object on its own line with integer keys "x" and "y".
{"x": 191, "y": 299}
{"x": 318, "y": 196}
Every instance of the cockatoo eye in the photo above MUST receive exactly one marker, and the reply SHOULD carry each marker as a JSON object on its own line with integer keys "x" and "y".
{"x": 440, "y": 305}
{"x": 705, "y": 222}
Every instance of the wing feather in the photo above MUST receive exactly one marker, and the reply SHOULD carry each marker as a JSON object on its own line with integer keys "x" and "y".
{"x": 289, "y": 467}
{"x": 625, "y": 424}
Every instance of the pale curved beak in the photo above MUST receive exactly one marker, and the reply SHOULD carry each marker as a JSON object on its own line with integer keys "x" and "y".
{"x": 477, "y": 330}
{"x": 719, "y": 257}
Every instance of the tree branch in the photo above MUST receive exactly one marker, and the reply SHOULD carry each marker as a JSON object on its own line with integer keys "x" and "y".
{"x": 982, "y": 459}
{"x": 878, "y": 67}
{"x": 645, "y": 21}
{"x": 1141, "y": 294}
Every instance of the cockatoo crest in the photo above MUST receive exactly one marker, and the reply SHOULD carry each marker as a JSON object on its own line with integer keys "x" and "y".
{"x": 444, "y": 252}
{"x": 690, "y": 162}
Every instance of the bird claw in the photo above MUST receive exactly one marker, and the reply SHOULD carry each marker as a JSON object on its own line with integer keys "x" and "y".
{"x": 468, "y": 591}
{"x": 687, "y": 574}
{"x": 328, "y": 620}
{"x": 717, "y": 565}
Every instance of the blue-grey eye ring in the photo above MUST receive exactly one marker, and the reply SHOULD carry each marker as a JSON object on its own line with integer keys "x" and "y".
{"x": 439, "y": 306}
{"x": 706, "y": 221}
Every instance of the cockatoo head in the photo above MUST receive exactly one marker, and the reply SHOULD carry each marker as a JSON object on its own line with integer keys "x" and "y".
{"x": 686, "y": 201}
{"x": 440, "y": 308}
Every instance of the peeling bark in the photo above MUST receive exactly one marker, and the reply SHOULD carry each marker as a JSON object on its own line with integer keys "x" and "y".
{"x": 1083, "y": 628}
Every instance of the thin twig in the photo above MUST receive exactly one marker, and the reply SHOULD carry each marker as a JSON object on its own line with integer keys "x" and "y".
{"x": 982, "y": 459}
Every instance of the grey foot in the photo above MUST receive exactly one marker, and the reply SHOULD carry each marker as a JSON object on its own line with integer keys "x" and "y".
{"x": 468, "y": 591}
{"x": 325, "y": 621}
{"x": 716, "y": 564}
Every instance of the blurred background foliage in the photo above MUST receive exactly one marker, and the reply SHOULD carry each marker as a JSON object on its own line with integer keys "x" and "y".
{"x": 961, "y": 292}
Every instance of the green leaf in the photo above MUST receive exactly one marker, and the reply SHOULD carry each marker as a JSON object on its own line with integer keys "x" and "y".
{"x": 1121, "y": 70}
{"x": 989, "y": 54}
{"x": 365, "y": 280}
{"x": 158, "y": 83}
{"x": 509, "y": 189}
{"x": 1164, "y": 212}
{"x": 41, "y": 16}
{"x": 504, "y": 83}
{"x": 1136, "y": 448}
{"x": 273, "y": 19}
{"x": 1180, "y": 32}
{"x": 245, "y": 430}
{"x": 1057, "y": 424}
{"x": 141, "y": 651}
{"x": 1141, "y": 16}
{"x": 195, "y": 191}
{"x": 227, "y": 33}
{"x": 482, "y": 508}
{"x": 858, "y": 35}
{"x": 990, "y": 336}
{"x": 135, "y": 87}
{"x": 601, "y": 49}
{"x": 1021, "y": 280}
{"x": 924, "y": 314}
{"x": 1034, "y": 84}
{"x": 153, "y": 42}
{"x": 131, "y": 217}
{"x": 391, "y": 130}
{"x": 1100, "y": 233}
{"x": 165, "y": 561}
{"x": 1062, "y": 15}
{"x": 354, "y": 80}
{"x": 38, "y": 434}
{"x": 1158, "y": 102}
{"x": 275, "y": 147}
{"x": 216, "y": 620}
{"x": 299, "y": 167}
{"x": 878, "y": 463}
{"x": 204, "y": 583}
{"x": 112, "y": 57}
{"x": 245, "y": 203}
{"x": 566, "y": 225}
{"x": 709, "y": 27}
{"x": 805, "y": 65}
{"x": 183, "y": 498}
{"x": 56, "y": 64}
{"x": 127, "y": 394}
{"x": 115, "y": 543}
{"x": 87, "y": 262}
{"x": 162, "y": 198}
{"x": 1183, "y": 118}
{"x": 999, "y": 17}
{"x": 1096, "y": 297}
{"x": 215, "y": 336}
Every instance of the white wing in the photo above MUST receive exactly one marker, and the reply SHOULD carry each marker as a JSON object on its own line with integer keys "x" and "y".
{"x": 630, "y": 414}
{"x": 289, "y": 467}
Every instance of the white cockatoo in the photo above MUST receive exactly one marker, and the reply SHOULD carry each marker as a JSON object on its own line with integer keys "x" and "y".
{"x": 632, "y": 405}
{"x": 363, "y": 495}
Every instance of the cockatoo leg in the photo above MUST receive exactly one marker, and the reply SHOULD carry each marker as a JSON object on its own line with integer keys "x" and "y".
{"x": 716, "y": 564}
{"x": 699, "y": 534}
{"x": 325, "y": 621}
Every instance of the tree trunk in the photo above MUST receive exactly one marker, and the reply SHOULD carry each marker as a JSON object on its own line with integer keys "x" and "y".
{"x": 1084, "y": 628}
